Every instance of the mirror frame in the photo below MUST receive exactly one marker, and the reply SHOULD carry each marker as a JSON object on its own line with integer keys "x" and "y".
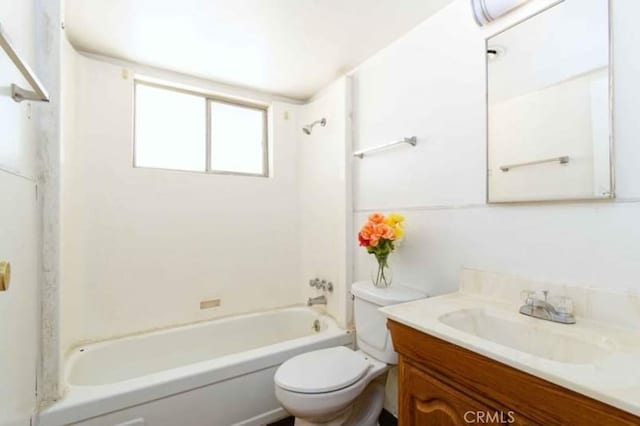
{"x": 612, "y": 178}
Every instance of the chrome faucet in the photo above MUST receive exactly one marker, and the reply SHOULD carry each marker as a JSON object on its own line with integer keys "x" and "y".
{"x": 542, "y": 309}
{"x": 320, "y": 300}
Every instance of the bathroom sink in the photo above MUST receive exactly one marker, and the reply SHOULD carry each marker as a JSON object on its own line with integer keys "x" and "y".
{"x": 536, "y": 340}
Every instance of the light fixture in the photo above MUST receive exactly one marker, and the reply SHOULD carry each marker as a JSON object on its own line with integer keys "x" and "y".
{"x": 486, "y": 11}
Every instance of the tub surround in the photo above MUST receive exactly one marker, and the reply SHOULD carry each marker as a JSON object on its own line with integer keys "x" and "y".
{"x": 324, "y": 201}
{"x": 596, "y": 357}
{"x": 174, "y": 246}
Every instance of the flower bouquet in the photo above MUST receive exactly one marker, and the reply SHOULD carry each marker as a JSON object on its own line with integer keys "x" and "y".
{"x": 379, "y": 235}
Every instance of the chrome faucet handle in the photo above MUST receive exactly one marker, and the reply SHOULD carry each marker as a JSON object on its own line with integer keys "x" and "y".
{"x": 328, "y": 286}
{"x": 528, "y": 297}
{"x": 321, "y": 284}
{"x": 562, "y": 304}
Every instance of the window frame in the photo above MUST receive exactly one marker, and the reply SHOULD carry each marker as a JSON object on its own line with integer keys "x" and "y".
{"x": 208, "y": 99}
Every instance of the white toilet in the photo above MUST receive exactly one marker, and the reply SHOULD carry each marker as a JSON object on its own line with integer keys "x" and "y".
{"x": 336, "y": 386}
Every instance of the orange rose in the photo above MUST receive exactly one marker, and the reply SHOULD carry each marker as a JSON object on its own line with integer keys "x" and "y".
{"x": 376, "y": 218}
{"x": 383, "y": 230}
{"x": 367, "y": 231}
{"x": 387, "y": 232}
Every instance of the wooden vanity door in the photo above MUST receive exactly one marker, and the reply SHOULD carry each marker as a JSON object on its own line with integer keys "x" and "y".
{"x": 425, "y": 400}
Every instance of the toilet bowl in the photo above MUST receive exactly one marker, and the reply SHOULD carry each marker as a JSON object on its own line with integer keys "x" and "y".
{"x": 322, "y": 385}
{"x": 338, "y": 386}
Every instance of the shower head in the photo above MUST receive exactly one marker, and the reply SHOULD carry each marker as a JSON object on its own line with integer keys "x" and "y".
{"x": 309, "y": 127}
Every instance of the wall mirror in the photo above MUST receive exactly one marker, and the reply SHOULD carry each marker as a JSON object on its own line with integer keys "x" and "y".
{"x": 549, "y": 106}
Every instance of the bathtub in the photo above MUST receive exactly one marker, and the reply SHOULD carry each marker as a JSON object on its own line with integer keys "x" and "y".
{"x": 215, "y": 373}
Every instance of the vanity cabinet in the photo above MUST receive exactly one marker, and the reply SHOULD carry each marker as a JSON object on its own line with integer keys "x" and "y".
{"x": 426, "y": 400}
{"x": 441, "y": 384}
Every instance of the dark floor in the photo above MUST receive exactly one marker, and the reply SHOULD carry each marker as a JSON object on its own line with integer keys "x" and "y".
{"x": 284, "y": 422}
{"x": 386, "y": 419}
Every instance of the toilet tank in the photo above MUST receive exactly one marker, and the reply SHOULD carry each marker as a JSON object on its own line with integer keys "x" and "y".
{"x": 372, "y": 334}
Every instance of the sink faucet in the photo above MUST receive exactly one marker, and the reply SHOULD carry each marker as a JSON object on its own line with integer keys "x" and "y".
{"x": 542, "y": 309}
{"x": 320, "y": 300}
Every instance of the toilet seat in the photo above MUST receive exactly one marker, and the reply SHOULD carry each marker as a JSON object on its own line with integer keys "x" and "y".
{"x": 322, "y": 371}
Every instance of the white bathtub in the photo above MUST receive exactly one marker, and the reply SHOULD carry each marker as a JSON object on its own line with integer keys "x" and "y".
{"x": 216, "y": 373}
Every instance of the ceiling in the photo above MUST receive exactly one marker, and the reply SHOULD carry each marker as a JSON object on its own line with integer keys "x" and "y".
{"x": 287, "y": 47}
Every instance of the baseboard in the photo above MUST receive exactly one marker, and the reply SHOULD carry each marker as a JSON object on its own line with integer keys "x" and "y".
{"x": 265, "y": 418}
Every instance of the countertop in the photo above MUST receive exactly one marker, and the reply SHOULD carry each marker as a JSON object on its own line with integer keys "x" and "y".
{"x": 613, "y": 378}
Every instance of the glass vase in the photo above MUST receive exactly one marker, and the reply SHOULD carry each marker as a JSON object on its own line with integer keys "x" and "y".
{"x": 381, "y": 275}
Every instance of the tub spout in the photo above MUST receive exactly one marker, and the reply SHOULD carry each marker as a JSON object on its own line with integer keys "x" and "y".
{"x": 320, "y": 300}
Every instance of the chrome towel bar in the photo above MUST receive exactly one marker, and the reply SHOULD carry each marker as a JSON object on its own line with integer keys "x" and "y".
{"x": 562, "y": 160}
{"x": 413, "y": 141}
{"x": 39, "y": 94}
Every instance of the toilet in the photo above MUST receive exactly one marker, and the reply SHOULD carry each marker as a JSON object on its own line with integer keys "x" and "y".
{"x": 337, "y": 386}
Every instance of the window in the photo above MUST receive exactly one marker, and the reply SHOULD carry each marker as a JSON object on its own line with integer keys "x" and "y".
{"x": 181, "y": 130}
{"x": 170, "y": 129}
{"x": 236, "y": 135}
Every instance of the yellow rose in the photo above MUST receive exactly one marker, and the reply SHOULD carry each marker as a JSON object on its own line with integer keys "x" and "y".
{"x": 398, "y": 230}
{"x": 394, "y": 219}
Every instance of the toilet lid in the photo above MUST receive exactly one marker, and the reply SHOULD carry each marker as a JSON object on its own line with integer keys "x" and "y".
{"x": 324, "y": 370}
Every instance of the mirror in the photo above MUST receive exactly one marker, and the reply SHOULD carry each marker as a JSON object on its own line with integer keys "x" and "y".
{"x": 549, "y": 106}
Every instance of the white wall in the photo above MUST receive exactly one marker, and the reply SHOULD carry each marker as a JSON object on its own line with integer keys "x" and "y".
{"x": 438, "y": 94}
{"x": 19, "y": 327}
{"x": 324, "y": 178}
{"x": 18, "y": 149}
{"x": 431, "y": 83}
{"x": 143, "y": 247}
